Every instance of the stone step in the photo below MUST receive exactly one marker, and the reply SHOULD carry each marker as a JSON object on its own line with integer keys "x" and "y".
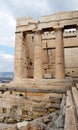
{"x": 54, "y": 82}
{"x": 43, "y": 82}
{"x": 75, "y": 98}
{"x": 70, "y": 120}
{"x": 34, "y": 88}
{"x": 30, "y": 85}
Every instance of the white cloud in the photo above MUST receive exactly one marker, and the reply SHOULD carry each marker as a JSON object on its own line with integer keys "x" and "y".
{"x": 6, "y": 62}
{"x": 7, "y": 29}
{"x": 11, "y": 9}
{"x": 7, "y": 41}
{"x": 41, "y": 7}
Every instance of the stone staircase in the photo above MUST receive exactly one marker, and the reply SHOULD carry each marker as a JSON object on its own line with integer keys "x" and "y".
{"x": 71, "y": 114}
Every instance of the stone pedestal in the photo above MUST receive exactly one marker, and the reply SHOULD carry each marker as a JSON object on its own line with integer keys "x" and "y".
{"x": 38, "y": 74}
{"x": 59, "y": 58}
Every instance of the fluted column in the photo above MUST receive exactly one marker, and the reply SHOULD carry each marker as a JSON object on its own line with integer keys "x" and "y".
{"x": 19, "y": 66}
{"x": 59, "y": 58}
{"x": 38, "y": 70}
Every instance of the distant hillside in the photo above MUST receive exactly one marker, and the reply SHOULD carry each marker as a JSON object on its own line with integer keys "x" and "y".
{"x": 6, "y": 77}
{"x": 6, "y": 74}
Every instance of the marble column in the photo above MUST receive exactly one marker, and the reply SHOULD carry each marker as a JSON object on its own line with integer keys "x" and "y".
{"x": 38, "y": 70}
{"x": 59, "y": 55}
{"x": 19, "y": 66}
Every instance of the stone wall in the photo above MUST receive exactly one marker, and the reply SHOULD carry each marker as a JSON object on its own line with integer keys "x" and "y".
{"x": 71, "y": 62}
{"x": 48, "y": 44}
{"x": 19, "y": 106}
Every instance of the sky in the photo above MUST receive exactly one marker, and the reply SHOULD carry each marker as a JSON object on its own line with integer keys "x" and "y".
{"x": 10, "y": 10}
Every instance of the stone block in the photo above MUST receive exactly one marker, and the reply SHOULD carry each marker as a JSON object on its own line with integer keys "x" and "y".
{"x": 8, "y": 111}
{"x": 45, "y": 57}
{"x": 45, "y": 66}
{"x": 22, "y": 124}
{"x": 10, "y": 128}
{"x": 70, "y": 119}
{"x": 38, "y": 94}
{"x": 0, "y": 94}
{"x": 75, "y": 14}
{"x": 51, "y": 43}
{"x": 55, "y": 99}
{"x": 44, "y": 44}
{"x": 29, "y": 94}
{"x": 39, "y": 109}
{"x": 50, "y": 110}
{"x": 75, "y": 97}
{"x": 55, "y": 105}
{"x": 48, "y": 76}
{"x": 60, "y": 122}
{"x": 25, "y": 21}
{"x": 66, "y": 16}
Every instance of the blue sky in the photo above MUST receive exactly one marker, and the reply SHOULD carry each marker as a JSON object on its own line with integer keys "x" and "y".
{"x": 10, "y": 10}
{"x": 6, "y": 49}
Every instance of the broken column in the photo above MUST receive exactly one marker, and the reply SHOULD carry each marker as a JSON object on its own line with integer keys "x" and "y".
{"x": 38, "y": 72}
{"x": 59, "y": 58}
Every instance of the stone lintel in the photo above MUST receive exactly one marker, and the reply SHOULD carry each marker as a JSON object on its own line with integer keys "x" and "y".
{"x": 50, "y": 21}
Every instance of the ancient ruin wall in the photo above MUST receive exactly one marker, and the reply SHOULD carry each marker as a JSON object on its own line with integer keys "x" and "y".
{"x": 70, "y": 37}
{"x": 47, "y": 25}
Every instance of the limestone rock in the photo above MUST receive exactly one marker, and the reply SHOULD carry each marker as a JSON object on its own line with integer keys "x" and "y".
{"x": 22, "y": 125}
{"x": 1, "y": 118}
{"x": 11, "y": 128}
{"x": 37, "y": 126}
{"x": 60, "y": 122}
{"x": 10, "y": 120}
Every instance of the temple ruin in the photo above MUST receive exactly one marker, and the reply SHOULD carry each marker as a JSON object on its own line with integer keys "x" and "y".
{"x": 47, "y": 48}
{"x": 45, "y": 70}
